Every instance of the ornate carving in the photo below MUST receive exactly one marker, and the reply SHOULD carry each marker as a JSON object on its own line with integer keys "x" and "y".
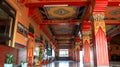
{"x": 86, "y": 38}
{"x": 97, "y": 25}
{"x": 86, "y": 33}
{"x": 99, "y": 21}
{"x": 98, "y": 16}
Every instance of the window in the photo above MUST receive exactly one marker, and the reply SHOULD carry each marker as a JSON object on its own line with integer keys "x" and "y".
{"x": 7, "y": 15}
{"x": 63, "y": 53}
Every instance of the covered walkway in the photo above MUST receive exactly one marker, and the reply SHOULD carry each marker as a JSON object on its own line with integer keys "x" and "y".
{"x": 60, "y": 33}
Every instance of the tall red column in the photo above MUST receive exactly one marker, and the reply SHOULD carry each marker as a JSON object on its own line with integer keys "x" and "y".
{"x": 77, "y": 48}
{"x": 77, "y": 55}
{"x": 86, "y": 46}
{"x": 86, "y": 41}
{"x": 100, "y": 41}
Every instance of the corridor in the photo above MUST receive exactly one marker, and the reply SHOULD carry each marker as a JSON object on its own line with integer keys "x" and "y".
{"x": 60, "y": 33}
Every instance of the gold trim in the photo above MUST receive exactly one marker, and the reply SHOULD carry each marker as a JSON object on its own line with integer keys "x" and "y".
{"x": 99, "y": 21}
{"x": 86, "y": 38}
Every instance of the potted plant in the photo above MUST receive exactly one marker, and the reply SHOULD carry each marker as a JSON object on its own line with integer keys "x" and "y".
{"x": 9, "y": 60}
{"x": 24, "y": 64}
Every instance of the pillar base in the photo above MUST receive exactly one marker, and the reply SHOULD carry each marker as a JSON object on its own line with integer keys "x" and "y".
{"x": 86, "y": 64}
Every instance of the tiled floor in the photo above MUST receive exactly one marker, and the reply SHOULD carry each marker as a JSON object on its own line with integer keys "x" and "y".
{"x": 63, "y": 64}
{"x": 66, "y": 64}
{"x": 74, "y": 64}
{"x": 115, "y": 64}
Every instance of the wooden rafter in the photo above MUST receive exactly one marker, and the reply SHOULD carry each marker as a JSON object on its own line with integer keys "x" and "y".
{"x": 113, "y": 3}
{"x": 60, "y": 22}
{"x": 114, "y": 32}
{"x": 69, "y": 3}
{"x": 112, "y": 22}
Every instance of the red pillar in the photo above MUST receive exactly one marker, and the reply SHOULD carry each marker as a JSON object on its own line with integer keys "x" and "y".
{"x": 86, "y": 46}
{"x": 86, "y": 41}
{"x": 100, "y": 41}
{"x": 77, "y": 48}
{"x": 74, "y": 55}
{"x": 77, "y": 55}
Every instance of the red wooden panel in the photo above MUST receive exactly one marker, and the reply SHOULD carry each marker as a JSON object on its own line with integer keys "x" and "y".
{"x": 4, "y": 50}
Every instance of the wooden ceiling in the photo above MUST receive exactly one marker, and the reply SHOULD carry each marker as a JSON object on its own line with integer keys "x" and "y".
{"x": 60, "y": 31}
{"x": 63, "y": 19}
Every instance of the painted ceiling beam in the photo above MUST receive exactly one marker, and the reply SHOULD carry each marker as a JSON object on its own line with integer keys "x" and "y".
{"x": 49, "y": 22}
{"x": 113, "y": 3}
{"x": 70, "y": 3}
{"x": 62, "y": 37}
{"x": 64, "y": 41}
{"x": 100, "y": 5}
{"x": 112, "y": 22}
{"x": 65, "y": 44}
{"x": 80, "y": 3}
{"x": 86, "y": 25}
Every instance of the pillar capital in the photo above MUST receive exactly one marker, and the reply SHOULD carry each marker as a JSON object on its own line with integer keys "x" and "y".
{"x": 98, "y": 16}
{"x": 99, "y": 22}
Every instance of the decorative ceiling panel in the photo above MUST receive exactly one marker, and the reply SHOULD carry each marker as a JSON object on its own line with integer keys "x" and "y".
{"x": 62, "y": 12}
{"x": 63, "y": 29}
{"x": 112, "y": 13}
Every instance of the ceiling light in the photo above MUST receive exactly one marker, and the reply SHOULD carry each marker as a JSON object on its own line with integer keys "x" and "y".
{"x": 55, "y": 5}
